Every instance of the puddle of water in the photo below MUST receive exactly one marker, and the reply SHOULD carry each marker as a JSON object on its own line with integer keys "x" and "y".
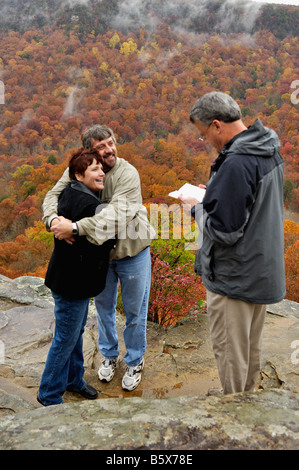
{"x": 196, "y": 386}
{"x": 165, "y": 391}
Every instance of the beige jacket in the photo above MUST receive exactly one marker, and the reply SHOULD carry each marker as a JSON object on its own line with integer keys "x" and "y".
{"x": 124, "y": 216}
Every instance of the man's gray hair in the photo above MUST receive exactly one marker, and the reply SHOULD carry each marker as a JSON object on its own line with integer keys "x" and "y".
{"x": 215, "y": 105}
{"x": 96, "y": 132}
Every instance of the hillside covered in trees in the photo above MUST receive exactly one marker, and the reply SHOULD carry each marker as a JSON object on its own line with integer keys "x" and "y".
{"x": 137, "y": 67}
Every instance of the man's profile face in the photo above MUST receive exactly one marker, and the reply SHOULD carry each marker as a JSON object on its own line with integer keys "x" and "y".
{"x": 107, "y": 151}
{"x": 211, "y": 134}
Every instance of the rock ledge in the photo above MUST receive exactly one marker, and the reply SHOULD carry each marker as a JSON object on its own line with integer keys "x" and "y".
{"x": 171, "y": 409}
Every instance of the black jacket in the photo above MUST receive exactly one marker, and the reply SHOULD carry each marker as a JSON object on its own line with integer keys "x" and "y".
{"x": 78, "y": 270}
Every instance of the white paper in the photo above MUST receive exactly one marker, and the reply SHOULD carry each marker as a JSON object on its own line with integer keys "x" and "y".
{"x": 189, "y": 190}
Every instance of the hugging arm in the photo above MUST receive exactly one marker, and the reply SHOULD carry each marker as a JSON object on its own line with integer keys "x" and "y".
{"x": 104, "y": 225}
{"x": 114, "y": 218}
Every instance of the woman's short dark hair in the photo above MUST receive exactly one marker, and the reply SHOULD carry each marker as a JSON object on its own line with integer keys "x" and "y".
{"x": 80, "y": 160}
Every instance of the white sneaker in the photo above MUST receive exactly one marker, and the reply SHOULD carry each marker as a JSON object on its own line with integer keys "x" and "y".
{"x": 107, "y": 370}
{"x": 132, "y": 376}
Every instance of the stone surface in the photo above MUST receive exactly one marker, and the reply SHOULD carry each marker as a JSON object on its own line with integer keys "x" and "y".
{"x": 171, "y": 407}
{"x": 265, "y": 420}
{"x": 179, "y": 360}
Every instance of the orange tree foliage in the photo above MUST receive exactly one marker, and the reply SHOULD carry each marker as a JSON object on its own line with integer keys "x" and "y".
{"x": 292, "y": 260}
{"x": 291, "y": 233}
{"x": 56, "y": 84}
{"x": 292, "y": 269}
{"x": 60, "y": 80}
{"x": 28, "y": 254}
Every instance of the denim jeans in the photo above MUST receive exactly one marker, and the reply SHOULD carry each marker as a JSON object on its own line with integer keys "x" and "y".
{"x": 134, "y": 274}
{"x": 64, "y": 366}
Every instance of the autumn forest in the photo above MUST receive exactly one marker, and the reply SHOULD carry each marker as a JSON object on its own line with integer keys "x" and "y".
{"x": 85, "y": 64}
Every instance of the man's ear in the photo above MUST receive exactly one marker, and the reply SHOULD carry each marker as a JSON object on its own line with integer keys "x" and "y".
{"x": 217, "y": 124}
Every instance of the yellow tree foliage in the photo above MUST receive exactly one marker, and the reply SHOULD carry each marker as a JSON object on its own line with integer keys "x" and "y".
{"x": 114, "y": 40}
{"x": 128, "y": 47}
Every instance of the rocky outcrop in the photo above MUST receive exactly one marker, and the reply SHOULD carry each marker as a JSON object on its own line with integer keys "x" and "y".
{"x": 173, "y": 407}
{"x": 266, "y": 420}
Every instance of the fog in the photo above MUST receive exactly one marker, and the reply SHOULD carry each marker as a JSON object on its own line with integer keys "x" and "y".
{"x": 143, "y": 13}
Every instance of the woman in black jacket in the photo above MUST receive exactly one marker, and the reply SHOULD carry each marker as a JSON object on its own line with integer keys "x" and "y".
{"x": 75, "y": 273}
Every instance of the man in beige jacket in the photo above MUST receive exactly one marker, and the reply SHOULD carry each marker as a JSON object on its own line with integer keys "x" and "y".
{"x": 125, "y": 218}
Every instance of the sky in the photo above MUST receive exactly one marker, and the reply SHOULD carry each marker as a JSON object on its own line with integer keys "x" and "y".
{"x": 285, "y": 2}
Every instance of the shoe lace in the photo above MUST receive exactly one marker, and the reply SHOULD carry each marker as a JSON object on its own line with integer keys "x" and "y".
{"x": 131, "y": 371}
{"x": 107, "y": 362}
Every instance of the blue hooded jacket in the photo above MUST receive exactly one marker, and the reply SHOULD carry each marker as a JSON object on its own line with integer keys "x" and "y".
{"x": 242, "y": 253}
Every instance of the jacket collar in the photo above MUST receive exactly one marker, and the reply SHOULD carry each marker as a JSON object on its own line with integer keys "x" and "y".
{"x": 78, "y": 186}
{"x": 223, "y": 154}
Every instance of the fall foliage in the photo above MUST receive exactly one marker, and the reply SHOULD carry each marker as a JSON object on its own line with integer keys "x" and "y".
{"x": 63, "y": 72}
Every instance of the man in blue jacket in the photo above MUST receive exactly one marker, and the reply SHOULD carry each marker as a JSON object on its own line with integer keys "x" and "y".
{"x": 241, "y": 259}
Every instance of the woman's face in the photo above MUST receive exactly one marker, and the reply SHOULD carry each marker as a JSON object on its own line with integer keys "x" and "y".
{"x": 93, "y": 177}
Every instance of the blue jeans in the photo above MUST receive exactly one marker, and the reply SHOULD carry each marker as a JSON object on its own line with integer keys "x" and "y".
{"x": 134, "y": 274}
{"x": 64, "y": 366}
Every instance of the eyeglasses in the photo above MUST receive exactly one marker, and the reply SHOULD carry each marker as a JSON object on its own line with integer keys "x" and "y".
{"x": 204, "y": 138}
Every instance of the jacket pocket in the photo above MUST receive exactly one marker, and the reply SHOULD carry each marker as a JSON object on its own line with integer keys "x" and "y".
{"x": 204, "y": 260}
{"x": 197, "y": 263}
